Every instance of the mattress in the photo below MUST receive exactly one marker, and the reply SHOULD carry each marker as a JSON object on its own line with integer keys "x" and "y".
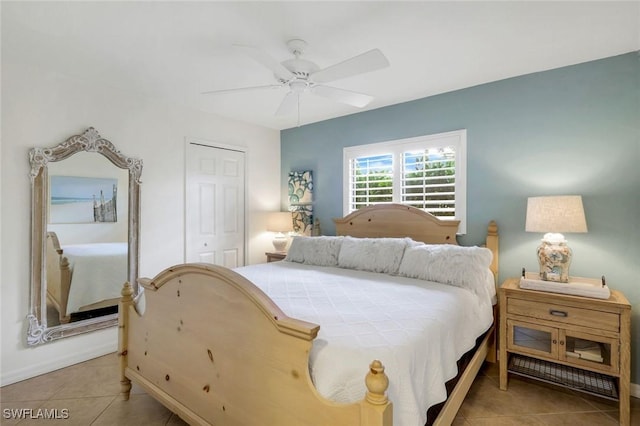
{"x": 418, "y": 329}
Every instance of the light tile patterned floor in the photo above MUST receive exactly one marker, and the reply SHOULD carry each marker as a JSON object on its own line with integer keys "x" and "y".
{"x": 89, "y": 393}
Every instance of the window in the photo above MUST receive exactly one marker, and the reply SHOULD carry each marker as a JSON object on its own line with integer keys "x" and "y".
{"x": 427, "y": 172}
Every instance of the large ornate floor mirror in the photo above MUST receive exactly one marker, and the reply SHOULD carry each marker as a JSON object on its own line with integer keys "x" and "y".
{"x": 84, "y": 235}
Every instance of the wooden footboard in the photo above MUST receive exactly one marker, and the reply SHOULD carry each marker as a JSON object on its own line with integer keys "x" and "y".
{"x": 215, "y": 349}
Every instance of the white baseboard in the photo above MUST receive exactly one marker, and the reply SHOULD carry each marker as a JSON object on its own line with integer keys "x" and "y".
{"x": 635, "y": 390}
{"x": 48, "y": 366}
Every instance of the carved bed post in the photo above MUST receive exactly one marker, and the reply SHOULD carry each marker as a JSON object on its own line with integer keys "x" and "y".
{"x": 123, "y": 338}
{"x": 65, "y": 287}
{"x": 376, "y": 408}
{"x": 493, "y": 245}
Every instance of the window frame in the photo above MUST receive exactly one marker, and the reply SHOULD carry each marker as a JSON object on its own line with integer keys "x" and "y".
{"x": 456, "y": 139}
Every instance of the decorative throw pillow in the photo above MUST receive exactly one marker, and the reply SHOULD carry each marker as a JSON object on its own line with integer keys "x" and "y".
{"x": 415, "y": 259}
{"x": 296, "y": 252}
{"x": 372, "y": 254}
{"x": 466, "y": 267}
{"x": 319, "y": 251}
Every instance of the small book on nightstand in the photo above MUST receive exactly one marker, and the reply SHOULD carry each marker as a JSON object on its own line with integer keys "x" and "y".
{"x": 586, "y": 349}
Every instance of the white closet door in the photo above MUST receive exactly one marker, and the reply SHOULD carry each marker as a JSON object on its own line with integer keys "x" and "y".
{"x": 215, "y": 193}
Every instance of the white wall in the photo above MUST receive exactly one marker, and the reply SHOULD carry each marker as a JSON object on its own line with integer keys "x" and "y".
{"x": 43, "y": 108}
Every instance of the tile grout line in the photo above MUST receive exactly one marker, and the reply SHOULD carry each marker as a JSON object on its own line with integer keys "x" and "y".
{"x": 104, "y": 410}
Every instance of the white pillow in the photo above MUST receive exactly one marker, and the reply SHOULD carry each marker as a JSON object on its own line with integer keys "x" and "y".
{"x": 296, "y": 253}
{"x": 372, "y": 254}
{"x": 466, "y": 267}
{"x": 319, "y": 251}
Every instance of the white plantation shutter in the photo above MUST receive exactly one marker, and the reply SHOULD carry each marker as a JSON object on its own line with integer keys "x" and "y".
{"x": 429, "y": 180}
{"x": 371, "y": 180}
{"x": 427, "y": 172}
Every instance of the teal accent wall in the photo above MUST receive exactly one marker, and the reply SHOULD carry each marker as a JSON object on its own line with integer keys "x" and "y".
{"x": 572, "y": 130}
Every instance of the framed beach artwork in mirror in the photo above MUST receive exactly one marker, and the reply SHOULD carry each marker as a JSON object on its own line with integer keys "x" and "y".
{"x": 81, "y": 199}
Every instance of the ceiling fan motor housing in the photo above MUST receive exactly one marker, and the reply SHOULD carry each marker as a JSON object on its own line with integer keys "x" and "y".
{"x": 300, "y": 68}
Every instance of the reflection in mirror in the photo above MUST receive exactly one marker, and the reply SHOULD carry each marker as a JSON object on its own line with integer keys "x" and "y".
{"x": 85, "y": 219}
{"x": 87, "y": 235}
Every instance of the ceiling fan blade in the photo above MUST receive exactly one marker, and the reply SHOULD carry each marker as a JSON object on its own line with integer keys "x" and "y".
{"x": 263, "y": 58}
{"x": 366, "y": 62}
{"x": 242, "y": 89}
{"x": 345, "y": 96}
{"x": 289, "y": 104}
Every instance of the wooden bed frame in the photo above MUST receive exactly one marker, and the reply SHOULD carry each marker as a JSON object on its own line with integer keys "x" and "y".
{"x": 58, "y": 275}
{"x": 215, "y": 349}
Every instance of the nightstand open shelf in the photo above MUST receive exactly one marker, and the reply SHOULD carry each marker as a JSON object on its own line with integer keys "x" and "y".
{"x": 562, "y": 375}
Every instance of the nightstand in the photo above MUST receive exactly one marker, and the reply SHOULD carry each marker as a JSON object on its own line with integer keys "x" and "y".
{"x": 274, "y": 256}
{"x": 577, "y": 342}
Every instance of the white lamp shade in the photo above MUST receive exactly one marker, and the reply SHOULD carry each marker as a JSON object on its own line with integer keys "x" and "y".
{"x": 558, "y": 214}
{"x": 280, "y": 222}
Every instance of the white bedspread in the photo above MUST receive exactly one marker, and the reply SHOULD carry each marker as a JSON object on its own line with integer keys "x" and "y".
{"x": 418, "y": 330}
{"x": 98, "y": 272}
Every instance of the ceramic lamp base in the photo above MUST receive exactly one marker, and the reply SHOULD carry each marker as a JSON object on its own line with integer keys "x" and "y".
{"x": 554, "y": 259}
{"x": 279, "y": 243}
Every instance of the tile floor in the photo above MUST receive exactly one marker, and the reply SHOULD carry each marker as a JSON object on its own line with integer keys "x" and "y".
{"x": 89, "y": 391}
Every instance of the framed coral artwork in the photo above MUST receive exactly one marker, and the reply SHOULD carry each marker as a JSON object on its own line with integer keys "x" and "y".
{"x": 300, "y": 201}
{"x": 302, "y": 219}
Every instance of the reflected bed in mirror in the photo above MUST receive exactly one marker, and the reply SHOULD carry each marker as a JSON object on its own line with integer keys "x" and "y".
{"x": 85, "y": 221}
{"x": 82, "y": 278}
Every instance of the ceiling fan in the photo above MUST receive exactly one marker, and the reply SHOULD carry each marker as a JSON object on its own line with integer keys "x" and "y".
{"x": 303, "y": 76}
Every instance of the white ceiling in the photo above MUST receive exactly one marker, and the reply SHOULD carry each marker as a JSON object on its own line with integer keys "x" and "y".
{"x": 175, "y": 50}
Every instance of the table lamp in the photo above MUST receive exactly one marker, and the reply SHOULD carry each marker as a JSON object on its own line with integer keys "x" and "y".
{"x": 280, "y": 223}
{"x": 554, "y": 215}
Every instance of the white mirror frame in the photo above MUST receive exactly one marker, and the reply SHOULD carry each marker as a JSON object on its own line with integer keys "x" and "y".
{"x": 89, "y": 141}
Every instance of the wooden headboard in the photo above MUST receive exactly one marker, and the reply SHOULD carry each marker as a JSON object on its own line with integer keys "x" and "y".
{"x": 399, "y": 220}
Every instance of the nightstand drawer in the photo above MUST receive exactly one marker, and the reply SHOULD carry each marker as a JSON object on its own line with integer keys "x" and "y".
{"x": 565, "y": 314}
